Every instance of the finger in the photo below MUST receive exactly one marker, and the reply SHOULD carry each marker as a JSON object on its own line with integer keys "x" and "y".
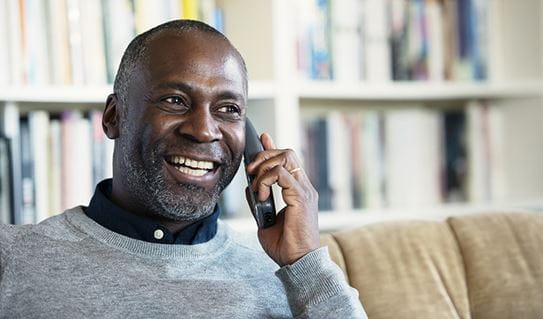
{"x": 261, "y": 157}
{"x": 278, "y": 175}
{"x": 267, "y": 141}
{"x": 286, "y": 159}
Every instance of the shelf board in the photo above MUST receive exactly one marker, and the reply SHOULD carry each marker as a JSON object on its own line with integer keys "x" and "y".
{"x": 417, "y": 91}
{"x": 258, "y": 90}
{"x": 57, "y": 94}
{"x": 339, "y": 220}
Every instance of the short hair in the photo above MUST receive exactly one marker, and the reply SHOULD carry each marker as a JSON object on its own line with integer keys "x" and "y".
{"x": 137, "y": 49}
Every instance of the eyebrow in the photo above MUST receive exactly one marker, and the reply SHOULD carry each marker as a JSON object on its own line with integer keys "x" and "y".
{"x": 181, "y": 86}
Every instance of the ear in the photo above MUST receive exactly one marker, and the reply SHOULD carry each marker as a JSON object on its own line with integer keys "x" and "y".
{"x": 110, "y": 119}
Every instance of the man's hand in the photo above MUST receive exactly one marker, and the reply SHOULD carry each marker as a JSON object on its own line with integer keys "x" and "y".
{"x": 296, "y": 231}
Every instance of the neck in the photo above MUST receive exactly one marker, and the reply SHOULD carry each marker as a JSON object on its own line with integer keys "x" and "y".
{"x": 123, "y": 199}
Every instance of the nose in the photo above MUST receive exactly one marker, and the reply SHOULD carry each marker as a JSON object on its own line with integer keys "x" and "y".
{"x": 201, "y": 127}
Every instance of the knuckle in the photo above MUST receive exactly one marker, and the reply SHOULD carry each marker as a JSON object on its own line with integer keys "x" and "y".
{"x": 290, "y": 153}
{"x": 260, "y": 156}
{"x": 277, "y": 169}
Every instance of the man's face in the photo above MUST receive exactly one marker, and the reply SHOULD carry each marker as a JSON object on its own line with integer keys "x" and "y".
{"x": 182, "y": 128}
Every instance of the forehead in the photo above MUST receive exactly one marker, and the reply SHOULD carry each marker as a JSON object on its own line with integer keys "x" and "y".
{"x": 192, "y": 56}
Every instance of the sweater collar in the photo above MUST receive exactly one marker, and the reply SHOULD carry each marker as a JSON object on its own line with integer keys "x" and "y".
{"x": 215, "y": 245}
{"x": 106, "y": 213}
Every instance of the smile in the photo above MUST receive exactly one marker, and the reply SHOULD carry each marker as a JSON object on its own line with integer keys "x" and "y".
{"x": 190, "y": 166}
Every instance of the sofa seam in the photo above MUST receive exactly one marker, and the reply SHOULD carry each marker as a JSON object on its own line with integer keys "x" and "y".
{"x": 347, "y": 272}
{"x": 457, "y": 241}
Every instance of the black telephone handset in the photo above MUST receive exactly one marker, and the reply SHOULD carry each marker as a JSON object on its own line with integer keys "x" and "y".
{"x": 264, "y": 212}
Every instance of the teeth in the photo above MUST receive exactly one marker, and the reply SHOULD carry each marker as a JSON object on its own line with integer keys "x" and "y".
{"x": 191, "y": 162}
{"x": 177, "y": 159}
{"x": 190, "y": 171}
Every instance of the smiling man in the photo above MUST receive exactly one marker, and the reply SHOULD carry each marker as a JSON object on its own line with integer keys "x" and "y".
{"x": 149, "y": 244}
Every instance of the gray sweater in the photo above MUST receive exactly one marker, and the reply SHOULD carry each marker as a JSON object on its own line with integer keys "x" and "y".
{"x": 71, "y": 267}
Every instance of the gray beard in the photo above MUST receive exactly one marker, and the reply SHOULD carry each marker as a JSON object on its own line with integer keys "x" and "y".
{"x": 187, "y": 202}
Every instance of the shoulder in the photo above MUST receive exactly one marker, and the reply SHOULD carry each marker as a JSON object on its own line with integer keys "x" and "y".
{"x": 55, "y": 228}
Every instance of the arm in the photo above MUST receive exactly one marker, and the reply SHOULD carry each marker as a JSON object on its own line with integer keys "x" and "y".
{"x": 315, "y": 286}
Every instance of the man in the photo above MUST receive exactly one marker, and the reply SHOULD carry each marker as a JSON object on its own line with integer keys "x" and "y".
{"x": 149, "y": 244}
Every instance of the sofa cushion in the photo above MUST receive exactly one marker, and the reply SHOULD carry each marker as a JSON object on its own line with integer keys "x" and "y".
{"x": 407, "y": 269}
{"x": 503, "y": 256}
{"x": 335, "y": 252}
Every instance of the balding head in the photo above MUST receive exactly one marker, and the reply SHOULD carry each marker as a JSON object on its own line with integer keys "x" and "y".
{"x": 136, "y": 52}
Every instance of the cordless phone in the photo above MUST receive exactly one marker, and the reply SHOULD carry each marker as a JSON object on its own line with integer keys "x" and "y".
{"x": 263, "y": 212}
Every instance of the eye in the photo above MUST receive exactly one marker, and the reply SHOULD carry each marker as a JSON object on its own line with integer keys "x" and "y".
{"x": 229, "y": 109}
{"x": 174, "y": 100}
{"x": 174, "y": 104}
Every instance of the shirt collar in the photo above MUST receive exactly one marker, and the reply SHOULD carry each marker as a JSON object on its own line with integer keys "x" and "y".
{"x": 106, "y": 213}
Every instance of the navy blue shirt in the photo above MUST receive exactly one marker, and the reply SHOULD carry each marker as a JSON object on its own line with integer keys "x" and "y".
{"x": 106, "y": 213}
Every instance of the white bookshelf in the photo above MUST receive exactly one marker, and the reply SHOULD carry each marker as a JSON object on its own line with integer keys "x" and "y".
{"x": 408, "y": 91}
{"x": 258, "y": 90}
{"x": 263, "y": 31}
{"x": 265, "y": 90}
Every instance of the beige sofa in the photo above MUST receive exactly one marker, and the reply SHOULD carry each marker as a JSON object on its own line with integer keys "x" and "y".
{"x": 473, "y": 266}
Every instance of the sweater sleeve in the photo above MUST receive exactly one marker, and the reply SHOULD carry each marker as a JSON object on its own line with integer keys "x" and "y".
{"x": 316, "y": 288}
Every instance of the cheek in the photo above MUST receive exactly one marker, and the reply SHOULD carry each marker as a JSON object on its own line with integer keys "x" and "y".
{"x": 151, "y": 131}
{"x": 235, "y": 139}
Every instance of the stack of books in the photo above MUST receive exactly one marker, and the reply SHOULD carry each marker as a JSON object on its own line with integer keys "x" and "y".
{"x": 61, "y": 158}
{"x": 80, "y": 42}
{"x": 406, "y": 157}
{"x": 382, "y": 40}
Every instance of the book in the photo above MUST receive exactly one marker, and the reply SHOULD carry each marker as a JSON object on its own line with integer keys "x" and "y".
{"x": 119, "y": 29}
{"x": 339, "y": 159}
{"x": 497, "y": 126}
{"x": 38, "y": 126}
{"x": 436, "y": 42}
{"x": 5, "y": 181}
{"x": 102, "y": 150}
{"x": 58, "y": 38}
{"x": 317, "y": 159}
{"x": 314, "y": 40}
{"x": 35, "y": 35}
{"x": 28, "y": 204}
{"x": 455, "y": 156}
{"x": 412, "y": 157}
{"x": 376, "y": 42}
{"x": 373, "y": 159}
{"x": 55, "y": 167}
{"x": 190, "y": 9}
{"x": 478, "y": 152}
{"x": 354, "y": 130}
{"x": 15, "y": 39}
{"x": 76, "y": 159}
{"x": 4, "y": 43}
{"x": 75, "y": 37}
{"x": 346, "y": 40}
{"x": 10, "y": 128}
{"x": 149, "y": 14}
{"x": 92, "y": 42}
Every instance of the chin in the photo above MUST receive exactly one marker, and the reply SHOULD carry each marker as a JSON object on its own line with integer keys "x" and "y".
{"x": 185, "y": 202}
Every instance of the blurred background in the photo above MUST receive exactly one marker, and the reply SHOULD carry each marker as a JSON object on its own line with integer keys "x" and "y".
{"x": 398, "y": 108}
